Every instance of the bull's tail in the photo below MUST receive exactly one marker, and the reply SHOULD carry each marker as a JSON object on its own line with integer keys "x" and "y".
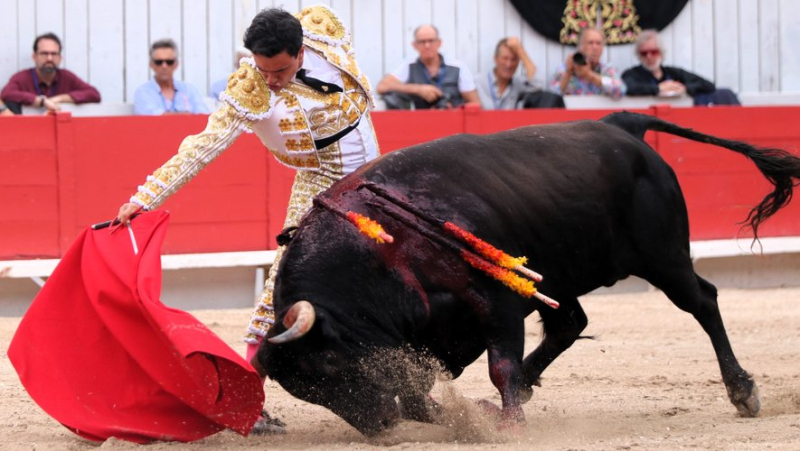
{"x": 778, "y": 166}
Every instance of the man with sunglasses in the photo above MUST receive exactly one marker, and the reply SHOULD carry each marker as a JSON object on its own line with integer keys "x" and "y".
{"x": 163, "y": 94}
{"x": 304, "y": 96}
{"x": 651, "y": 78}
{"x": 46, "y": 85}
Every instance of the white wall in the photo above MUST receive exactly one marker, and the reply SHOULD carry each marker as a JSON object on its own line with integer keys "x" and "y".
{"x": 748, "y": 45}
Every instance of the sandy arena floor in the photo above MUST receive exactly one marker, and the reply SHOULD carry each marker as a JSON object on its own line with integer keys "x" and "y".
{"x": 649, "y": 381}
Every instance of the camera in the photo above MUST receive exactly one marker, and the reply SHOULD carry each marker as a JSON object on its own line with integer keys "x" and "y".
{"x": 444, "y": 102}
{"x": 578, "y": 59}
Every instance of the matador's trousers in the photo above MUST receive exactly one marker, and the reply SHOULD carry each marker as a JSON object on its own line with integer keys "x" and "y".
{"x": 307, "y": 184}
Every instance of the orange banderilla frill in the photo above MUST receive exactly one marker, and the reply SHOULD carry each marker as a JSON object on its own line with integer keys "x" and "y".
{"x": 369, "y": 227}
{"x": 522, "y": 286}
{"x": 492, "y": 253}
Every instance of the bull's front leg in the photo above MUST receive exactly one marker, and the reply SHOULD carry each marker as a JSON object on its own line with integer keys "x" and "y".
{"x": 506, "y": 375}
{"x": 502, "y": 324}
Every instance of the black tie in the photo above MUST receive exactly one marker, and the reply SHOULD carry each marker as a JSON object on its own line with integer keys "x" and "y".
{"x": 325, "y": 88}
{"x": 316, "y": 84}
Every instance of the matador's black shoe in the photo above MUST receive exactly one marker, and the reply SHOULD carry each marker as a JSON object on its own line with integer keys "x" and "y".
{"x": 266, "y": 425}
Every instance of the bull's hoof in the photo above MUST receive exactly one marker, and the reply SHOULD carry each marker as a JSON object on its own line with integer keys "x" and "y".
{"x": 525, "y": 394}
{"x": 748, "y": 404}
{"x": 512, "y": 427}
{"x": 490, "y": 409}
{"x": 425, "y": 411}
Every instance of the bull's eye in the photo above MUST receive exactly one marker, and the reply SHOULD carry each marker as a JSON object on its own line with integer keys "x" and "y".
{"x": 330, "y": 363}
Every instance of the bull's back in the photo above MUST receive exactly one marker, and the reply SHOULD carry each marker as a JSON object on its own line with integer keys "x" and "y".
{"x": 548, "y": 166}
{"x": 559, "y": 194}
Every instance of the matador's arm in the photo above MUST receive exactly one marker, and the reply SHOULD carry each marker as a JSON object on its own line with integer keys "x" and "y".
{"x": 246, "y": 100}
{"x": 194, "y": 153}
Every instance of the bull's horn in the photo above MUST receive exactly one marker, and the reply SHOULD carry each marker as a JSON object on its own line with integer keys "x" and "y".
{"x": 299, "y": 320}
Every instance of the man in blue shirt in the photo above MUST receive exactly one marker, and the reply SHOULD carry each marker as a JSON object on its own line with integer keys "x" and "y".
{"x": 163, "y": 94}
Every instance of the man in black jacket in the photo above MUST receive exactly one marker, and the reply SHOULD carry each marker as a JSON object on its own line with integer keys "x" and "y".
{"x": 651, "y": 78}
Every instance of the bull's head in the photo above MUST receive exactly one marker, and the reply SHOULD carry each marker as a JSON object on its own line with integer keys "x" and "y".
{"x": 319, "y": 363}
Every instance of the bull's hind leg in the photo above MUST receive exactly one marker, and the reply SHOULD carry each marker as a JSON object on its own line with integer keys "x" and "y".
{"x": 562, "y": 327}
{"x": 693, "y": 294}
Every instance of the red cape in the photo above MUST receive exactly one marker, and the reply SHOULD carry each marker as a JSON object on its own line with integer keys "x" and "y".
{"x": 102, "y": 355}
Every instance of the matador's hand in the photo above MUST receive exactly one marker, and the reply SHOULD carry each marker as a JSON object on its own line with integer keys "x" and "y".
{"x": 125, "y": 212}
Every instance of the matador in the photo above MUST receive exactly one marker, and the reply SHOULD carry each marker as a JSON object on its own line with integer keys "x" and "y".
{"x": 308, "y": 102}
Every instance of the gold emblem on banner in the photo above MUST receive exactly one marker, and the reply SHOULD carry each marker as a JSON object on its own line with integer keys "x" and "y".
{"x": 617, "y": 19}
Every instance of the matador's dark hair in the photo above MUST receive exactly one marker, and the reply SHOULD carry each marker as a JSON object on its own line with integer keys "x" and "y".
{"x": 274, "y": 31}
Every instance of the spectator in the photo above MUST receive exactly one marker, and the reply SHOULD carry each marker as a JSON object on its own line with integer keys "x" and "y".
{"x": 45, "y": 85}
{"x": 218, "y": 87}
{"x": 584, "y": 74}
{"x": 428, "y": 81}
{"x": 651, "y": 78}
{"x": 163, "y": 94}
{"x": 502, "y": 89}
{"x": 4, "y": 111}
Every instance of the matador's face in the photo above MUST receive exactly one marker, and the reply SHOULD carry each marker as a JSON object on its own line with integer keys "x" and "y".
{"x": 278, "y": 70}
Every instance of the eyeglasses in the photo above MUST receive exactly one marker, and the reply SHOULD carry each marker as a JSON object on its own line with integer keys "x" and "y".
{"x": 427, "y": 41}
{"x": 46, "y": 54}
{"x": 167, "y": 62}
{"x": 653, "y": 52}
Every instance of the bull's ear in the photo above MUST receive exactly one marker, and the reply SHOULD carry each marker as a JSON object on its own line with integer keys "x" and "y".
{"x": 285, "y": 236}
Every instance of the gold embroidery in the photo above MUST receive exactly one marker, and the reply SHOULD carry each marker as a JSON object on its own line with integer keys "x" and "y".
{"x": 322, "y": 21}
{"x": 291, "y": 101}
{"x": 351, "y": 67}
{"x": 305, "y": 143}
{"x": 249, "y": 90}
{"x": 362, "y": 104}
{"x": 364, "y": 82}
{"x": 294, "y": 123}
{"x": 349, "y": 82}
{"x": 321, "y": 47}
{"x": 313, "y": 94}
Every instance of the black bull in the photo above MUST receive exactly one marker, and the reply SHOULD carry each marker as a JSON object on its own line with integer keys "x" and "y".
{"x": 588, "y": 202}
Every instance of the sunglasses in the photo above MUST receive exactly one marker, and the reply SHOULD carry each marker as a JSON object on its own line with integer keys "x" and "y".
{"x": 645, "y": 53}
{"x": 167, "y": 62}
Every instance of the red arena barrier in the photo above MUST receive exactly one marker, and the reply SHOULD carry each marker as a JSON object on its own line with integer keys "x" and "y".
{"x": 60, "y": 173}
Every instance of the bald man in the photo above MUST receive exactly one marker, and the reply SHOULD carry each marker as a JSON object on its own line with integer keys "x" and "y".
{"x": 428, "y": 81}
{"x": 583, "y": 73}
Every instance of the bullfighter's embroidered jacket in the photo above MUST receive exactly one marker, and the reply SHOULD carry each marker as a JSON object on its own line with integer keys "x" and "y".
{"x": 291, "y": 123}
